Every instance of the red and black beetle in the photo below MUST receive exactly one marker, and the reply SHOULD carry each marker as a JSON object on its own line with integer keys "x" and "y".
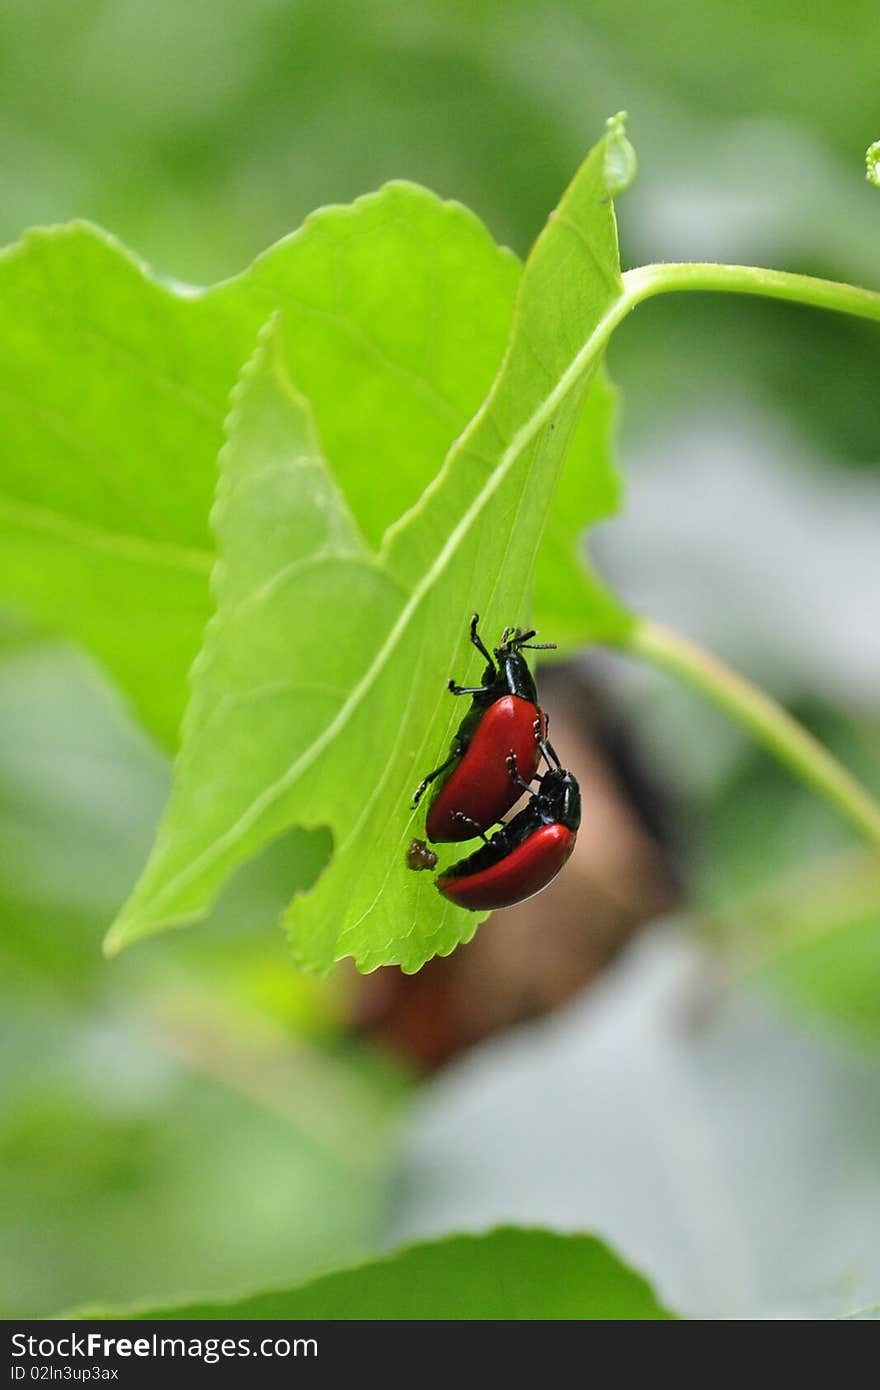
{"x": 525, "y": 854}
{"x": 477, "y": 788}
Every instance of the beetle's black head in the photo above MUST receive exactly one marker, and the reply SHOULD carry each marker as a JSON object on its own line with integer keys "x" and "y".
{"x": 560, "y": 798}
{"x": 512, "y": 665}
{"x": 513, "y": 639}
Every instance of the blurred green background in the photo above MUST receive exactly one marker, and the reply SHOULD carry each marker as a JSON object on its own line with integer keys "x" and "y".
{"x": 196, "y": 1117}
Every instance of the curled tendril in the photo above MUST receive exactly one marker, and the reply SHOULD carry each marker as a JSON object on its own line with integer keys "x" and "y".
{"x": 872, "y": 160}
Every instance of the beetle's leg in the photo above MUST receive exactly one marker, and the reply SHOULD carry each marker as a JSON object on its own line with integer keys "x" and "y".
{"x": 514, "y": 772}
{"x": 551, "y": 757}
{"x": 467, "y": 689}
{"x": 466, "y": 820}
{"x": 432, "y": 776}
{"x": 478, "y": 641}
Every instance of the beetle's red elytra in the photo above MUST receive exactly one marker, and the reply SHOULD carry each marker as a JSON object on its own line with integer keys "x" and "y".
{"x": 479, "y": 786}
{"x": 514, "y": 877}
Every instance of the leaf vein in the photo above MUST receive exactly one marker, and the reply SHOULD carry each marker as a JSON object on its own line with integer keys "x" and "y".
{"x": 136, "y": 549}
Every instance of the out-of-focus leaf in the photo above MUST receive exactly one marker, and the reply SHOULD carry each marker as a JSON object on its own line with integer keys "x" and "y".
{"x": 814, "y": 934}
{"x": 508, "y": 1274}
{"x": 118, "y": 1079}
{"x": 794, "y": 903}
{"x": 13, "y": 633}
{"x": 834, "y": 973}
{"x": 127, "y": 1171}
{"x": 320, "y": 695}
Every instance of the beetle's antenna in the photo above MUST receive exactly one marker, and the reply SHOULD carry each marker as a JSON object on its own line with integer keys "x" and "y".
{"x": 512, "y": 638}
{"x": 524, "y": 639}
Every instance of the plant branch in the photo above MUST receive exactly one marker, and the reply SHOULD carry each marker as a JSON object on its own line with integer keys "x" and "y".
{"x": 649, "y": 280}
{"x": 766, "y": 720}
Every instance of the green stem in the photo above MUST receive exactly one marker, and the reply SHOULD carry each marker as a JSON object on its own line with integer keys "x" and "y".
{"x": 767, "y": 721}
{"x": 648, "y": 280}
{"x": 769, "y": 724}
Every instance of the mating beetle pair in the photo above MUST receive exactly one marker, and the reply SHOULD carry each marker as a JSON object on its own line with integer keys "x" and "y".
{"x": 494, "y": 757}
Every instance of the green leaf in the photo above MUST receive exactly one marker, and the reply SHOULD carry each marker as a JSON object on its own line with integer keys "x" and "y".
{"x": 572, "y": 603}
{"x": 508, "y": 1274}
{"x": 320, "y": 695}
{"x": 115, "y": 385}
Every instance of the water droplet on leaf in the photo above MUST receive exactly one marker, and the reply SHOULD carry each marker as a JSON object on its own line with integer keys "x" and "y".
{"x": 620, "y": 157}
